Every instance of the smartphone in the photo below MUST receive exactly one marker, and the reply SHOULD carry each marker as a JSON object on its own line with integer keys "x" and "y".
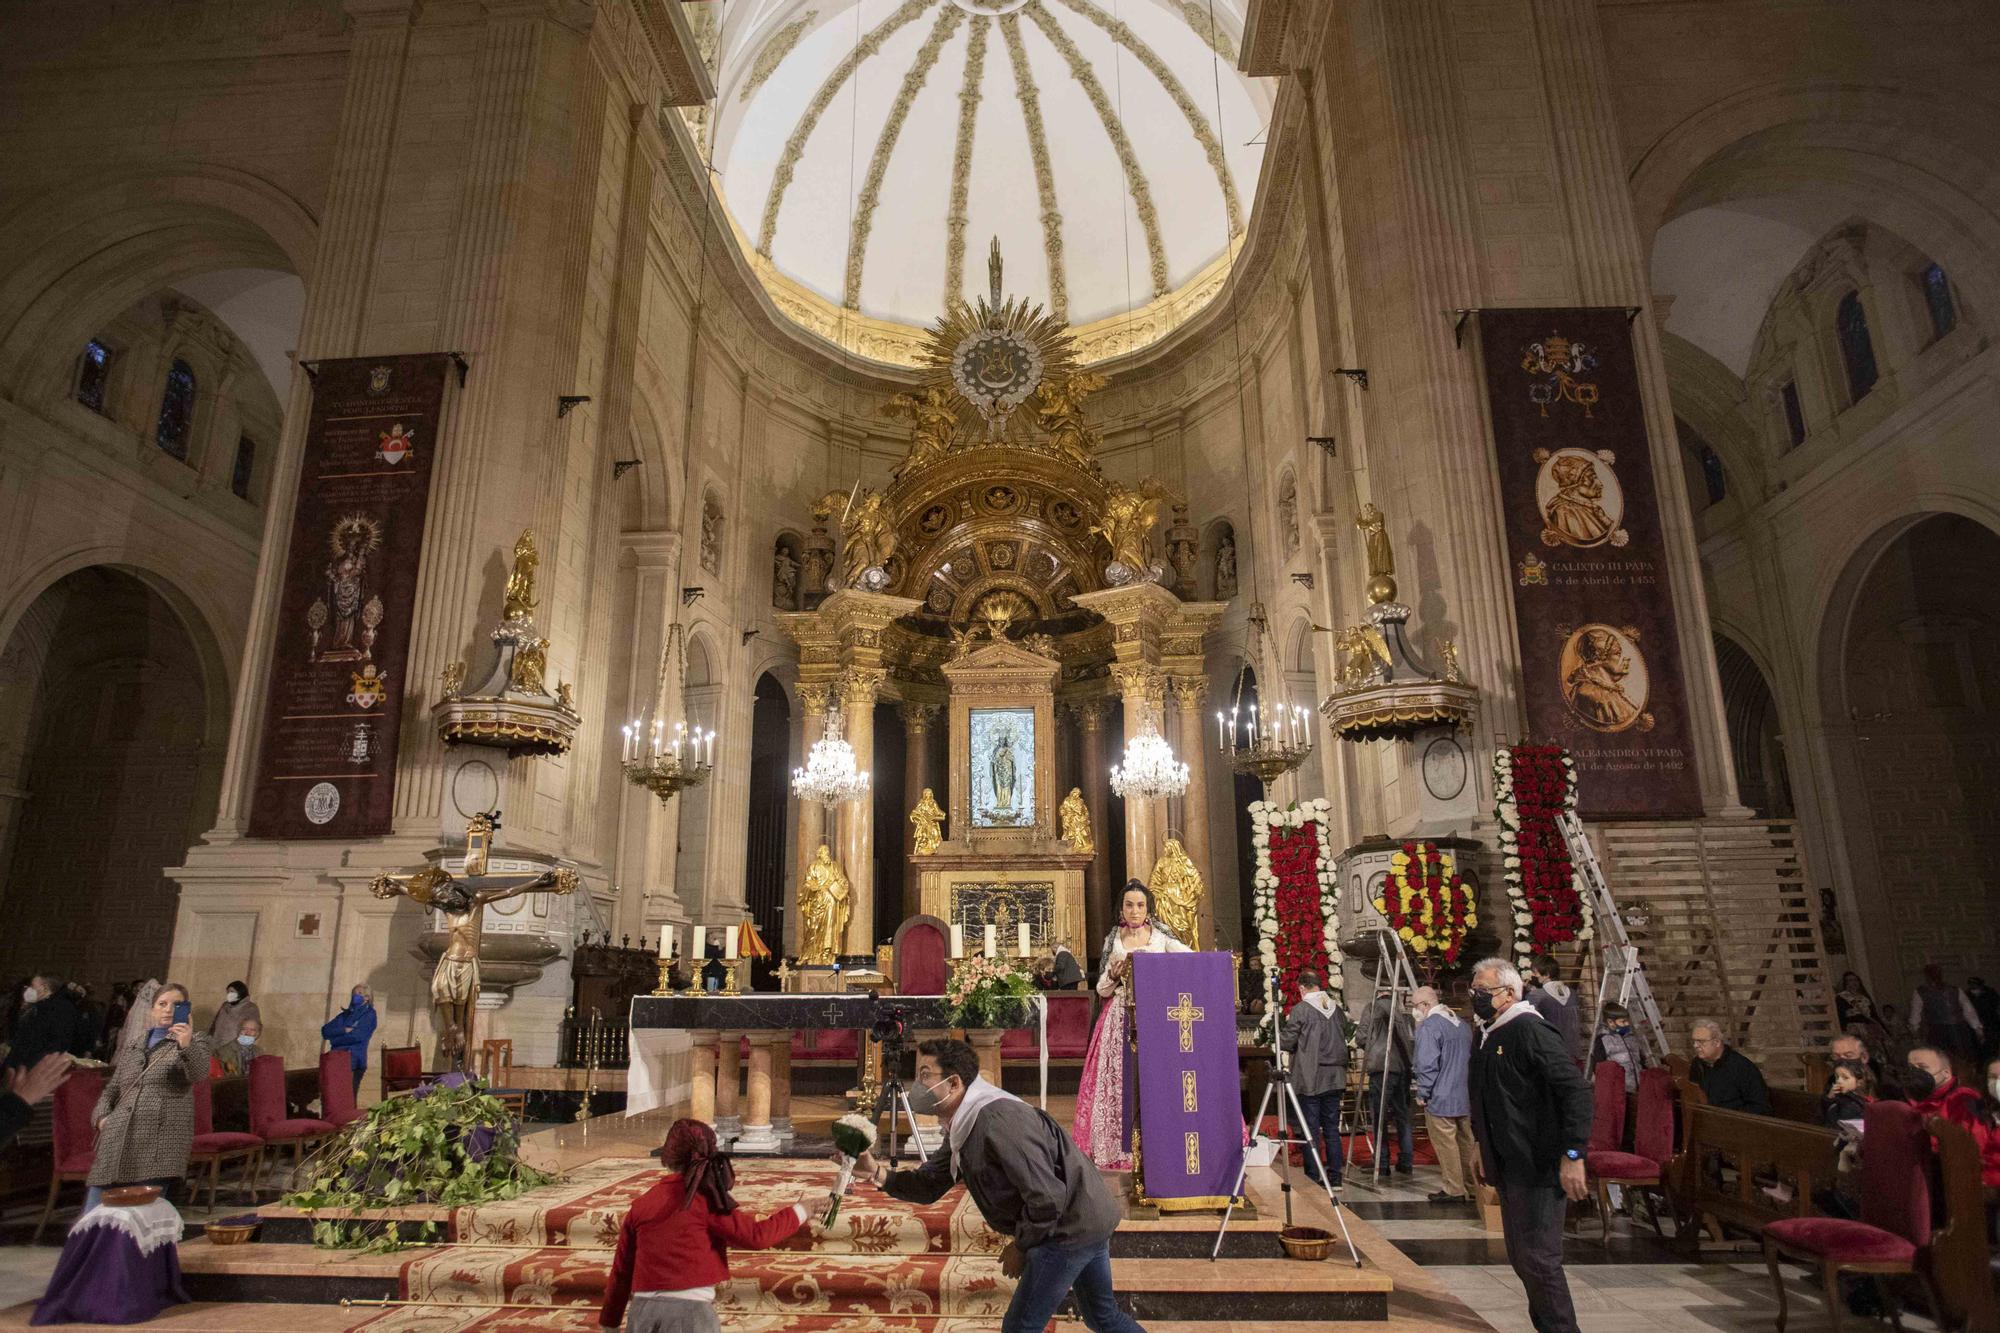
{"x": 182, "y": 1011}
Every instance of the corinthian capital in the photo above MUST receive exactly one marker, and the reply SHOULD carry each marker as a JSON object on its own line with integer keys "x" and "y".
{"x": 1141, "y": 681}
{"x": 1189, "y": 691}
{"x": 859, "y": 685}
{"x": 814, "y": 696}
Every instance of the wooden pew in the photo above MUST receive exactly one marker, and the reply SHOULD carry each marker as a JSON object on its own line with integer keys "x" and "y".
{"x": 1758, "y": 1148}
{"x": 1958, "y": 1248}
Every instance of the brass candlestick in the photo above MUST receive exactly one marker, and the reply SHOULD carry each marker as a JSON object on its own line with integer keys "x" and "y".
{"x": 666, "y": 974}
{"x": 730, "y": 981}
{"x": 593, "y": 1052}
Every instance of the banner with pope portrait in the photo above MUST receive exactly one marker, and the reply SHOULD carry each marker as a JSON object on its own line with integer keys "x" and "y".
{"x": 1587, "y": 559}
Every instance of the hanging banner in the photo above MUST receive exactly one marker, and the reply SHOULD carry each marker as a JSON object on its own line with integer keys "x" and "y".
{"x": 327, "y": 761}
{"x": 1190, "y": 1112}
{"x": 1600, "y": 651}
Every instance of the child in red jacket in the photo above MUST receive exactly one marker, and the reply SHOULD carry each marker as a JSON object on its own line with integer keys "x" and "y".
{"x": 674, "y": 1246}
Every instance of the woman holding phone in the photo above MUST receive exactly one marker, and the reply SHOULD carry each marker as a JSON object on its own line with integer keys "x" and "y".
{"x": 145, "y": 1118}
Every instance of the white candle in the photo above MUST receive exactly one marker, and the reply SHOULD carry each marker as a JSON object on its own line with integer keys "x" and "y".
{"x": 957, "y": 940}
{"x": 730, "y": 936}
{"x": 666, "y": 941}
{"x": 697, "y": 944}
{"x": 1022, "y": 945}
{"x": 992, "y": 939}
{"x": 1221, "y": 734}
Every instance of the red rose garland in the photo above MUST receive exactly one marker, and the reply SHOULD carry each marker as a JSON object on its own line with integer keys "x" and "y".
{"x": 1301, "y": 941}
{"x": 1296, "y": 897}
{"x": 1426, "y": 902}
{"x": 1535, "y": 784}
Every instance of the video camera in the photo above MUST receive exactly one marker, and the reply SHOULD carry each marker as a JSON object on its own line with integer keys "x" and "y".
{"x": 891, "y": 1025}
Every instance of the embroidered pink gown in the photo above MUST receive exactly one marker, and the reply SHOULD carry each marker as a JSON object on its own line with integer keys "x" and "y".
{"x": 1103, "y": 1125}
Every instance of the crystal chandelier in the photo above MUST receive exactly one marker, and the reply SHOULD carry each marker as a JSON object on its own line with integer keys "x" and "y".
{"x": 1150, "y": 769}
{"x": 665, "y": 762}
{"x": 1272, "y": 741}
{"x": 830, "y": 775}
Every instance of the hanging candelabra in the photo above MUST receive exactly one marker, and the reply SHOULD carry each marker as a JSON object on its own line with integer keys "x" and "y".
{"x": 1150, "y": 769}
{"x": 831, "y": 774}
{"x": 664, "y": 759}
{"x": 1270, "y": 740}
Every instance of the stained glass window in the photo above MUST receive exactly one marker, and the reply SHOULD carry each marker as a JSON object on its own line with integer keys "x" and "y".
{"x": 246, "y": 462}
{"x": 1857, "y": 349}
{"x": 1795, "y": 417}
{"x": 176, "y": 411}
{"x": 94, "y": 375}
{"x": 1937, "y": 298}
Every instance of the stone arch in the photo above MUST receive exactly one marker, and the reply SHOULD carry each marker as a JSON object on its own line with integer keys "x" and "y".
{"x": 648, "y": 496}
{"x": 1712, "y": 399}
{"x": 1756, "y": 733}
{"x": 115, "y": 240}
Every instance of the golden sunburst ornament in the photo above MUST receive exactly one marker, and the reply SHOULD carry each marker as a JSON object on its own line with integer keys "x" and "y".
{"x": 995, "y": 354}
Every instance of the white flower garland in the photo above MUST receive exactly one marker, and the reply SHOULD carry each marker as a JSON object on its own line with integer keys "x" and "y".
{"x": 1510, "y": 854}
{"x": 1268, "y": 815}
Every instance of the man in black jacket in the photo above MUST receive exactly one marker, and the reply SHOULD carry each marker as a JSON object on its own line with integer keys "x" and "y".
{"x": 48, "y": 1023}
{"x": 1531, "y": 1114}
{"x": 1031, "y": 1182}
{"x": 1728, "y": 1078}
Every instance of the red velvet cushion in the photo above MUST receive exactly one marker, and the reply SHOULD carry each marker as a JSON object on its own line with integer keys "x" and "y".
{"x": 336, "y": 1087}
{"x": 281, "y": 1131}
{"x": 920, "y": 959}
{"x": 223, "y": 1141}
{"x": 1840, "y": 1240}
{"x": 1607, "y": 1106}
{"x": 1621, "y": 1165}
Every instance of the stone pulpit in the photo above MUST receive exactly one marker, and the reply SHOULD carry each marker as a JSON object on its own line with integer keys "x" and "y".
{"x": 1003, "y": 863}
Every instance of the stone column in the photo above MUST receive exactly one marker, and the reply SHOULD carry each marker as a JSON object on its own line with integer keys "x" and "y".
{"x": 856, "y": 819}
{"x": 1096, "y": 764}
{"x": 1144, "y": 689}
{"x": 648, "y": 843}
{"x": 701, "y": 1077}
{"x": 811, "y": 814}
{"x": 917, "y": 719}
{"x": 1189, "y": 693}
{"x": 781, "y": 1088}
{"x": 728, "y": 1074}
{"x": 985, "y": 1043}
{"x": 758, "y": 1135}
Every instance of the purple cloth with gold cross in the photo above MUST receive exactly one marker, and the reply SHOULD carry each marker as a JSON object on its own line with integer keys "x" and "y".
{"x": 1190, "y": 1111}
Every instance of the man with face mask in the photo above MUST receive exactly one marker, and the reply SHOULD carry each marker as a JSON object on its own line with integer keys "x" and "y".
{"x": 1531, "y": 1112}
{"x": 236, "y": 1057}
{"x": 237, "y": 1008}
{"x": 1030, "y": 1181}
{"x": 49, "y": 1021}
{"x": 1935, "y": 1090}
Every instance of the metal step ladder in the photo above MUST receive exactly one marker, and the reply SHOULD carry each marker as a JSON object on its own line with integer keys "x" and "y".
{"x": 1622, "y": 975}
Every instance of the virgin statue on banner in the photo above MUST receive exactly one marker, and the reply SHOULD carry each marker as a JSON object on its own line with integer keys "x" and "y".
{"x": 1103, "y": 1126}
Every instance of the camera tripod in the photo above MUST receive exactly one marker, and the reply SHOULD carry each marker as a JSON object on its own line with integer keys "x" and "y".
{"x": 893, "y": 1098}
{"x": 1281, "y": 1078}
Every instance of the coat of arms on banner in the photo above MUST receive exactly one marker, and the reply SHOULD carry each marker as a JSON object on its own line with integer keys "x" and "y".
{"x": 396, "y": 444}
{"x": 1559, "y": 365}
{"x": 370, "y": 688}
{"x": 379, "y": 379}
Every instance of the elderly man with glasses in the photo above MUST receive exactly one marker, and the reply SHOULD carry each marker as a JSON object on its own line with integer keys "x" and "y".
{"x": 1531, "y": 1114}
{"x": 1728, "y": 1078}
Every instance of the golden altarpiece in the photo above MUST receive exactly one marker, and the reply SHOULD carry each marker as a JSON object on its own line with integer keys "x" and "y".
{"x": 1001, "y": 579}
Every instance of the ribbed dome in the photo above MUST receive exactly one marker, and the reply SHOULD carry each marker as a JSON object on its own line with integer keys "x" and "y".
{"x": 869, "y": 149}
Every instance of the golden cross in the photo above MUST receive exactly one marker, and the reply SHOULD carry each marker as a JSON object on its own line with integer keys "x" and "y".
{"x": 784, "y": 973}
{"x": 1187, "y": 1016}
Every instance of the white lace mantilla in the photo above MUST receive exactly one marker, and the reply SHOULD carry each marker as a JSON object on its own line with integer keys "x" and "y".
{"x": 150, "y": 1225}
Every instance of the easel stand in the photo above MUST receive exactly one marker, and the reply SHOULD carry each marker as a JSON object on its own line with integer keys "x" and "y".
{"x": 1390, "y": 960}
{"x": 1281, "y": 1077}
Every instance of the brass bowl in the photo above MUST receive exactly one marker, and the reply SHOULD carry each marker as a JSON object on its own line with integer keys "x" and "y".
{"x": 131, "y": 1196}
{"x": 1306, "y": 1242}
{"x": 230, "y": 1233}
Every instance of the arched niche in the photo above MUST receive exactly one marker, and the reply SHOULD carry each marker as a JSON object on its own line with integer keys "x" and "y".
{"x": 787, "y": 560}
{"x": 1218, "y": 575}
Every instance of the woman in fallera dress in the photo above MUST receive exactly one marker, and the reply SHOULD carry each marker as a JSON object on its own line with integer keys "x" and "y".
{"x": 1103, "y": 1127}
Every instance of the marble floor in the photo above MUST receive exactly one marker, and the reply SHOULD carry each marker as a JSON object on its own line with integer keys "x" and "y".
{"x": 1450, "y": 1273}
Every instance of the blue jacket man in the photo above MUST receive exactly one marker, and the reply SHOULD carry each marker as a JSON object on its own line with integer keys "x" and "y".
{"x": 351, "y": 1030}
{"x": 1438, "y": 1072}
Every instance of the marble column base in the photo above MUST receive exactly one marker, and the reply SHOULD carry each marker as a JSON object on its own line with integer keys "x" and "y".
{"x": 781, "y": 1125}
{"x": 757, "y": 1138}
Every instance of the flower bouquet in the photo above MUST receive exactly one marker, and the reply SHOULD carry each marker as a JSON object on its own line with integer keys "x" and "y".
{"x": 1297, "y": 898}
{"x": 1426, "y": 902}
{"x": 853, "y": 1134}
{"x": 1534, "y": 785}
{"x": 987, "y": 992}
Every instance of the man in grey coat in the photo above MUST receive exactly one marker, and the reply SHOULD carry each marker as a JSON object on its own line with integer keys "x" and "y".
{"x": 1315, "y": 1036}
{"x": 1030, "y": 1181}
{"x": 1385, "y": 1054}
{"x": 1444, "y": 1054}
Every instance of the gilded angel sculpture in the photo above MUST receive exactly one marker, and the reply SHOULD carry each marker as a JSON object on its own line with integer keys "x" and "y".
{"x": 519, "y": 599}
{"x": 936, "y": 424}
{"x": 1129, "y": 519}
{"x": 1059, "y": 412}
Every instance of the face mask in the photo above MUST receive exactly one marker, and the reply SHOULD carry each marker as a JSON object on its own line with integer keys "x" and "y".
{"x": 1482, "y": 1006}
{"x": 1921, "y": 1081}
{"x": 231, "y": 996}
{"x": 1621, "y": 1029}
{"x": 1993, "y": 1088}
{"x": 925, "y": 1099}
{"x": 29, "y": 995}
{"x": 358, "y": 999}
{"x": 245, "y": 1039}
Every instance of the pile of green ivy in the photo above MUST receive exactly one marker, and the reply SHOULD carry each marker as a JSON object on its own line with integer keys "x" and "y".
{"x": 452, "y": 1143}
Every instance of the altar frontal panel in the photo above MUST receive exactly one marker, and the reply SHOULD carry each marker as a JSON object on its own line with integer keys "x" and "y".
{"x": 1189, "y": 1085}
{"x": 327, "y": 759}
{"x": 1587, "y": 557}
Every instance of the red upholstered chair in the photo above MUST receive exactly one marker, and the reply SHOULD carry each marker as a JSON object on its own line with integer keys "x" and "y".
{"x": 1894, "y": 1233}
{"x": 212, "y": 1149}
{"x": 1069, "y": 1030}
{"x": 825, "y": 1046}
{"x": 75, "y": 1136}
{"x": 1604, "y": 1159}
{"x": 268, "y": 1120}
{"x": 336, "y": 1089}
{"x": 923, "y": 943}
{"x": 402, "y": 1069}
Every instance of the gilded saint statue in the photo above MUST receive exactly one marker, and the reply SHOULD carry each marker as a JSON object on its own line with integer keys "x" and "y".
{"x": 1129, "y": 518}
{"x": 1076, "y": 823}
{"x": 463, "y": 900}
{"x": 823, "y": 908}
{"x": 936, "y": 422}
{"x": 530, "y": 666}
{"x": 868, "y": 533}
{"x": 519, "y": 599}
{"x": 1176, "y": 888}
{"x": 928, "y": 820}
{"x": 1381, "y": 557}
